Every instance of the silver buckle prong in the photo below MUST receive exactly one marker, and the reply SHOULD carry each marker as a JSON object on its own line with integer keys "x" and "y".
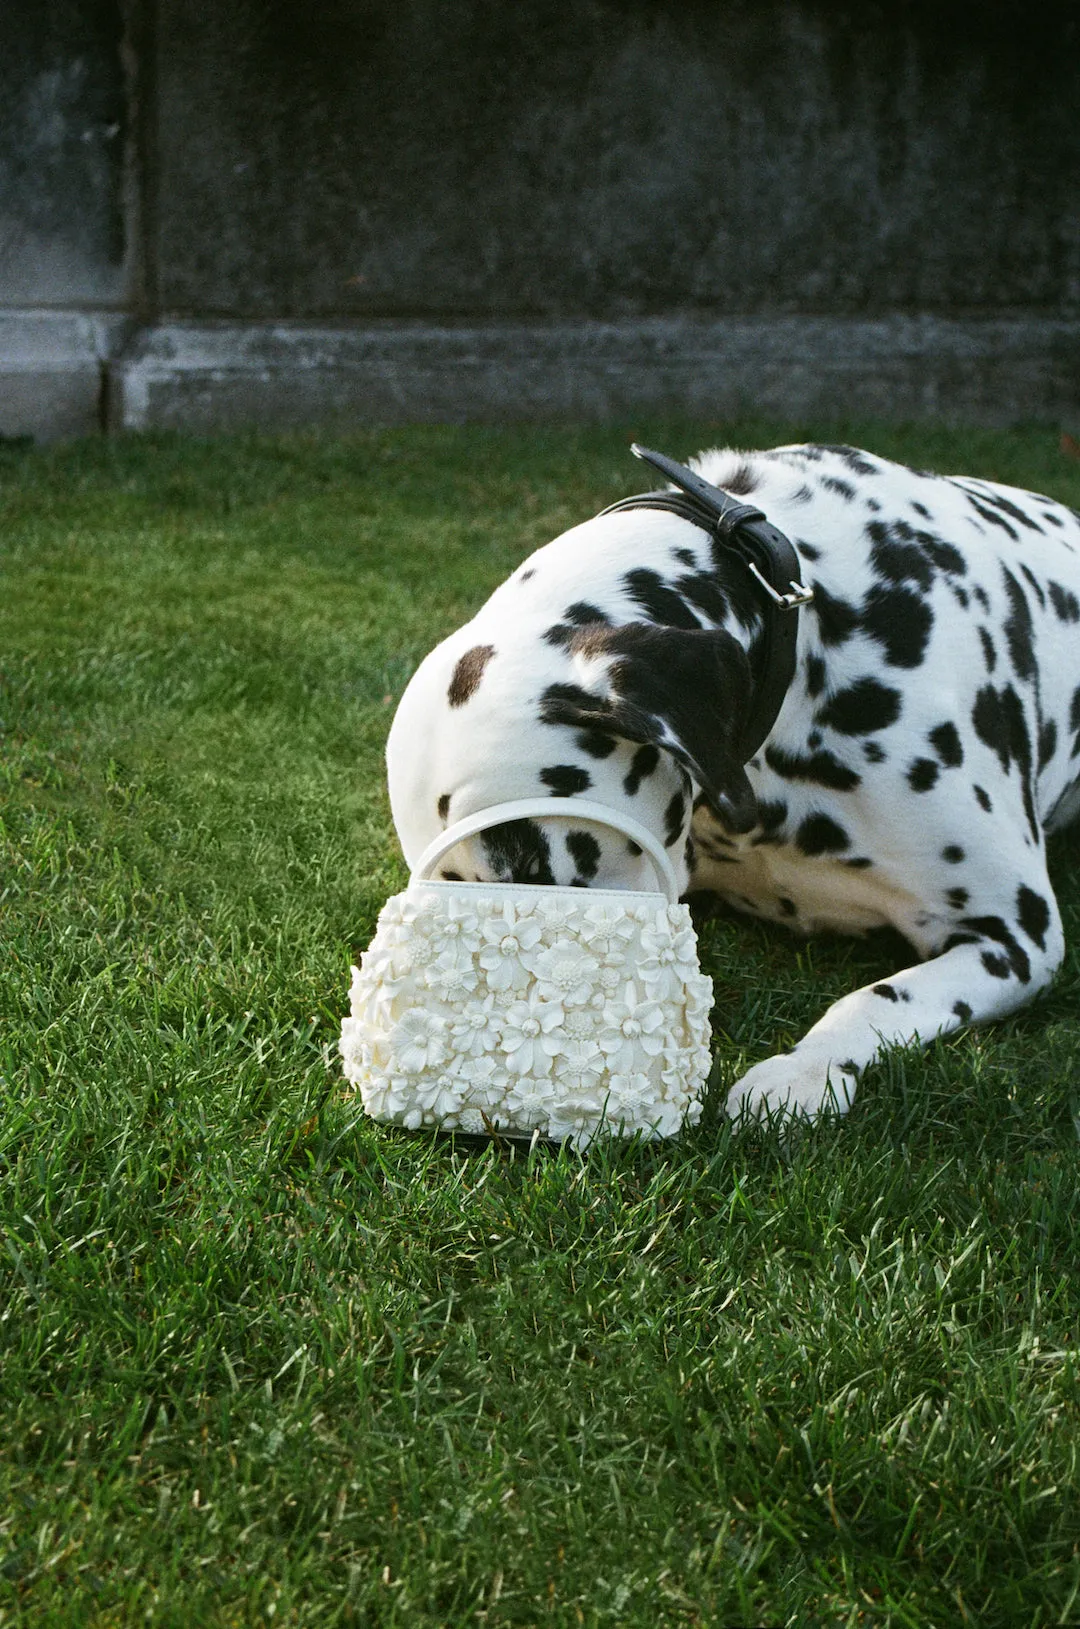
{"x": 800, "y": 595}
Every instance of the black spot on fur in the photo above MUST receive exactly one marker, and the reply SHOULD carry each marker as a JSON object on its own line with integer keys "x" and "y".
{"x": 596, "y": 743}
{"x": 994, "y": 519}
{"x": 886, "y": 991}
{"x": 861, "y": 708}
{"x": 558, "y": 698}
{"x": 993, "y": 927}
{"x": 1047, "y": 742}
{"x": 674, "y": 815}
{"x": 686, "y": 557}
{"x": 802, "y": 494}
{"x": 702, "y": 589}
{"x": 945, "y": 741}
{"x": 524, "y": 576}
{"x": 642, "y": 764}
{"x": 584, "y": 850}
{"x": 771, "y": 816}
{"x": 921, "y": 509}
{"x": 444, "y": 806}
{"x": 873, "y": 752}
{"x": 566, "y": 779}
{"x": 518, "y": 851}
{"x": 962, "y": 1011}
{"x": 1065, "y": 603}
{"x": 451, "y": 876}
{"x": 1035, "y": 585}
{"x": 815, "y": 675}
{"x": 1007, "y": 507}
{"x": 997, "y": 966}
{"x": 989, "y": 652}
{"x": 857, "y": 462}
{"x": 922, "y": 774}
{"x": 861, "y": 862}
{"x": 581, "y": 612}
{"x": 901, "y": 622}
{"x": 808, "y": 550}
{"x": 952, "y": 854}
{"x": 895, "y": 556}
{"x": 982, "y": 798}
{"x": 817, "y": 834}
{"x": 836, "y": 618}
{"x": 843, "y": 489}
{"x": 1033, "y": 914}
{"x": 819, "y": 768}
{"x": 660, "y": 602}
{"x": 579, "y": 615}
{"x": 468, "y": 673}
{"x": 944, "y": 555}
{"x": 998, "y": 718}
{"x": 787, "y": 906}
{"x": 957, "y": 898}
{"x": 1018, "y": 627}
{"x": 743, "y": 481}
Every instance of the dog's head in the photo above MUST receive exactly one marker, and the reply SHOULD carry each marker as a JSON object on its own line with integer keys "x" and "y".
{"x": 639, "y": 717}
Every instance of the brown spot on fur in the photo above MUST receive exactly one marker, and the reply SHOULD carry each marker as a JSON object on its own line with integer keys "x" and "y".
{"x": 468, "y": 673}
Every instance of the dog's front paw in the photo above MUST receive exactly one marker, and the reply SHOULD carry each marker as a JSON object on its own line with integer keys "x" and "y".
{"x": 793, "y": 1086}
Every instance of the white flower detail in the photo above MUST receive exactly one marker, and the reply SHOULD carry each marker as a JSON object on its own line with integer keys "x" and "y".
{"x": 506, "y": 939}
{"x": 580, "y": 1061}
{"x": 483, "y": 1082}
{"x": 439, "y": 1095}
{"x": 632, "y": 1027}
{"x": 475, "y": 1029}
{"x": 528, "y": 1032}
{"x": 668, "y": 959}
{"x": 629, "y": 1095}
{"x": 579, "y": 1024}
{"x": 457, "y": 928}
{"x": 451, "y": 976}
{"x": 607, "y": 931}
{"x": 530, "y": 1098}
{"x": 565, "y": 972}
{"x": 419, "y": 1040}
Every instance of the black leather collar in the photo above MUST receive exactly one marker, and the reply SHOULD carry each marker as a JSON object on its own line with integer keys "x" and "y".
{"x": 768, "y": 557}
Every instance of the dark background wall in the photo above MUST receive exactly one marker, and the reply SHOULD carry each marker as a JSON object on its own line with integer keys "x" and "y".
{"x": 186, "y": 187}
{"x": 61, "y": 145}
{"x": 612, "y": 158}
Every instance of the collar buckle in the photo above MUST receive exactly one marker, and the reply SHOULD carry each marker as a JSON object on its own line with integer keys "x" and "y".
{"x": 800, "y": 594}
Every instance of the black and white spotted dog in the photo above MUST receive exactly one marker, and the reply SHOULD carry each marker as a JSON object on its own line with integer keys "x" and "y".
{"x": 928, "y": 739}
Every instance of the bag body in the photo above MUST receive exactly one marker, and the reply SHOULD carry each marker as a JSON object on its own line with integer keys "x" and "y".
{"x": 564, "y": 1012}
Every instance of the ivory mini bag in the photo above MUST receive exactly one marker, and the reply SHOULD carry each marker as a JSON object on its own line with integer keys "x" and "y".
{"x": 565, "y": 1012}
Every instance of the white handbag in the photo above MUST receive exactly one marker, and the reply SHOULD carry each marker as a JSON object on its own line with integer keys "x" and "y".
{"x": 524, "y": 1009}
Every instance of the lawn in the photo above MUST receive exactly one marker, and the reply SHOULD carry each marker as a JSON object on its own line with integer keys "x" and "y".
{"x": 263, "y": 1363}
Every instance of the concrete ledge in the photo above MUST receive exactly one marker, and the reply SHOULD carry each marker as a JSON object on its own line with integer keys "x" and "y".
{"x": 52, "y": 371}
{"x": 204, "y": 376}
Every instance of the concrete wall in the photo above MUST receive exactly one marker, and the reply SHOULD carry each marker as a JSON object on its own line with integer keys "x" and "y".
{"x": 372, "y": 210}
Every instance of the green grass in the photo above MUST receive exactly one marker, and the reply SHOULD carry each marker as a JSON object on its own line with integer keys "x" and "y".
{"x": 261, "y": 1362}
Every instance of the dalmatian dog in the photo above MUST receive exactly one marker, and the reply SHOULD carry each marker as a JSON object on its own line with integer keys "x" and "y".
{"x": 927, "y": 739}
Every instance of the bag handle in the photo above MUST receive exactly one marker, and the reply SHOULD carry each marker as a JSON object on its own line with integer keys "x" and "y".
{"x": 565, "y": 809}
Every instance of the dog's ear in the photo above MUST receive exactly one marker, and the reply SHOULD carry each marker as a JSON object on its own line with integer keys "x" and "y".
{"x": 686, "y": 691}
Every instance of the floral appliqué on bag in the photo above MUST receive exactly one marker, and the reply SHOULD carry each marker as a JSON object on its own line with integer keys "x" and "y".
{"x": 470, "y": 1012}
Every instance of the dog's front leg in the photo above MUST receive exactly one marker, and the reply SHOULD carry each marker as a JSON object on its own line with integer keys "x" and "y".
{"x": 991, "y": 973}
